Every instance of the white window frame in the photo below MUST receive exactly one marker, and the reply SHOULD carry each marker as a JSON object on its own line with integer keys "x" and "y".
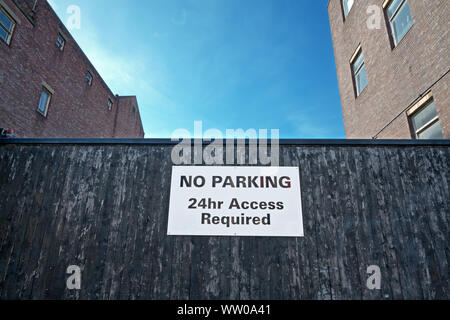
{"x": 422, "y": 104}
{"x": 47, "y": 103}
{"x": 355, "y": 56}
{"x": 13, "y": 25}
{"x": 386, "y": 4}
{"x": 425, "y": 127}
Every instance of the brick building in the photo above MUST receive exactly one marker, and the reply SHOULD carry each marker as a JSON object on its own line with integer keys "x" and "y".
{"x": 392, "y": 61}
{"x": 48, "y": 86}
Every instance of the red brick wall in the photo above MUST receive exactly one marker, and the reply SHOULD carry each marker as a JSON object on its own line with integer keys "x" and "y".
{"x": 76, "y": 110}
{"x": 396, "y": 77}
{"x": 128, "y": 121}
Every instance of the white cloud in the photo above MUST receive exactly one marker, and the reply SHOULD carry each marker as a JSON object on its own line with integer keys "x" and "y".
{"x": 137, "y": 74}
{"x": 118, "y": 72}
{"x": 132, "y": 74}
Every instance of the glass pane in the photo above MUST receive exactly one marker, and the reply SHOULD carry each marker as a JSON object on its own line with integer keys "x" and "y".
{"x": 358, "y": 62}
{"x": 3, "y": 34}
{"x": 432, "y": 132}
{"x": 5, "y": 21}
{"x": 348, "y": 4}
{"x": 43, "y": 101}
{"x": 393, "y": 7}
{"x": 402, "y": 22}
{"x": 361, "y": 80}
{"x": 424, "y": 116}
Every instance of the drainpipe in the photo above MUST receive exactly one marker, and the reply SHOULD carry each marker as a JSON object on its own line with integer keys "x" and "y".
{"x": 116, "y": 115}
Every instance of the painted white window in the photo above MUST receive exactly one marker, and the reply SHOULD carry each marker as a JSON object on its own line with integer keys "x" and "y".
{"x": 44, "y": 102}
{"x": 347, "y": 4}
{"x": 7, "y": 25}
{"x": 400, "y": 19}
{"x": 426, "y": 123}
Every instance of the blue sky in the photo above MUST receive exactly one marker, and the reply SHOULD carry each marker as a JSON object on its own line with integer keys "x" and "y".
{"x": 262, "y": 64}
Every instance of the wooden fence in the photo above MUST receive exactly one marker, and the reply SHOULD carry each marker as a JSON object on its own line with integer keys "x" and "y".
{"x": 103, "y": 206}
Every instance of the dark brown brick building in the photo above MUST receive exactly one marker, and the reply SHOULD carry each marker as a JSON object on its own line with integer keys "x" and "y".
{"x": 392, "y": 61}
{"x": 48, "y": 87}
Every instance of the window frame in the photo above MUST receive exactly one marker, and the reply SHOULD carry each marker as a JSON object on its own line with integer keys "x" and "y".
{"x": 13, "y": 26}
{"x": 110, "y": 104}
{"x": 47, "y": 103}
{"x": 416, "y": 109}
{"x": 389, "y": 21}
{"x": 426, "y": 126}
{"x": 61, "y": 48}
{"x": 343, "y": 3}
{"x": 89, "y": 81}
{"x": 355, "y": 56}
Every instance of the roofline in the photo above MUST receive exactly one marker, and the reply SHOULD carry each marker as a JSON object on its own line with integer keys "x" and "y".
{"x": 127, "y": 97}
{"x": 88, "y": 60}
{"x": 90, "y": 65}
{"x": 295, "y": 142}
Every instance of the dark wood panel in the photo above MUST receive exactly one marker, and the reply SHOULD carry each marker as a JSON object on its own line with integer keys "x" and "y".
{"x": 104, "y": 207}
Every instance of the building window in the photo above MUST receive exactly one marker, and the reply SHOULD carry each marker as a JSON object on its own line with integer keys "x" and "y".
{"x": 400, "y": 19}
{"x": 44, "y": 102}
{"x": 7, "y": 25}
{"x": 60, "y": 42}
{"x": 110, "y": 104}
{"x": 359, "y": 72}
{"x": 89, "y": 78}
{"x": 347, "y": 5}
{"x": 425, "y": 122}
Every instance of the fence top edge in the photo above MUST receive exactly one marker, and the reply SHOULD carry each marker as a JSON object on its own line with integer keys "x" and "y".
{"x": 162, "y": 142}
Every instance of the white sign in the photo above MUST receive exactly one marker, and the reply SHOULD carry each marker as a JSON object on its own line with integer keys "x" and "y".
{"x": 235, "y": 201}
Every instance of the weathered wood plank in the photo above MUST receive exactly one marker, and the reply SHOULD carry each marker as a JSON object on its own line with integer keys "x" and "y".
{"x": 105, "y": 208}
